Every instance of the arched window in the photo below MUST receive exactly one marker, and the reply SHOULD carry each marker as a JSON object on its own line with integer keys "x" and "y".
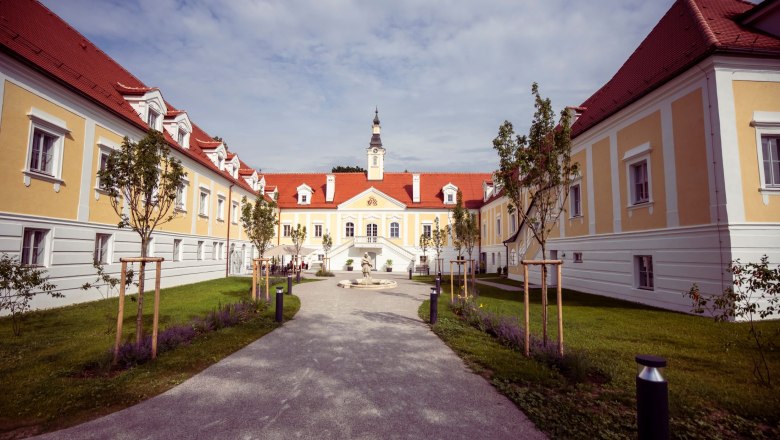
{"x": 395, "y": 230}
{"x": 350, "y": 230}
{"x": 376, "y": 161}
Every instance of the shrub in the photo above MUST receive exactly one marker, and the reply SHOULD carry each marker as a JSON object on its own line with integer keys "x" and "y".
{"x": 350, "y": 261}
{"x": 18, "y": 285}
{"x": 324, "y": 273}
{"x": 499, "y": 270}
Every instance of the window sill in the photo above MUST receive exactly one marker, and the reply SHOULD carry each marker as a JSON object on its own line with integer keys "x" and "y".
{"x": 29, "y": 175}
{"x": 203, "y": 215}
{"x": 648, "y": 204}
{"x": 576, "y": 217}
{"x": 649, "y": 289}
{"x": 771, "y": 191}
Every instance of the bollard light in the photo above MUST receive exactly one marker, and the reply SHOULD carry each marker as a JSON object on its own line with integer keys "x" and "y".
{"x": 438, "y": 285}
{"x": 279, "y": 304}
{"x": 652, "y": 398}
{"x": 410, "y": 273}
{"x": 434, "y": 305}
{"x": 298, "y": 276}
{"x": 289, "y": 283}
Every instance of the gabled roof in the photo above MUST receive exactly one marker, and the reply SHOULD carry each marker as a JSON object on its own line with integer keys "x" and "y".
{"x": 70, "y": 59}
{"x": 689, "y": 32}
{"x": 395, "y": 185}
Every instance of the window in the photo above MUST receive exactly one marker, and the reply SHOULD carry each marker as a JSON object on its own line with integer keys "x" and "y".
{"x": 450, "y": 198}
{"x": 201, "y": 250}
{"x": 376, "y": 161}
{"x": 151, "y": 118}
{"x": 576, "y": 202}
{"x": 513, "y": 223}
{"x": 513, "y": 257}
{"x": 578, "y": 257}
{"x": 498, "y": 226}
{"x": 484, "y": 230}
{"x": 102, "y": 164}
{"x": 427, "y": 230}
{"x": 320, "y": 257}
{"x": 423, "y": 259}
{"x": 220, "y": 162}
{"x": 221, "y": 251}
{"x": 493, "y": 258}
{"x": 203, "y": 207}
{"x": 214, "y": 250}
{"x": 180, "y": 137}
{"x": 181, "y": 198}
{"x": 640, "y": 188}
{"x": 350, "y": 229}
{"x": 770, "y": 148}
{"x": 43, "y": 150}
{"x": 286, "y": 230}
{"x": 34, "y": 247}
{"x": 395, "y": 230}
{"x": 234, "y": 215}
{"x": 643, "y": 265}
{"x": 176, "y": 249}
{"x": 318, "y": 230}
{"x": 101, "y": 253}
{"x": 220, "y": 208}
{"x": 304, "y": 198}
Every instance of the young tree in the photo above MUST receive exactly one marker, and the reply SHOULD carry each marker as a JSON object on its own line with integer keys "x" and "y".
{"x": 142, "y": 179}
{"x": 425, "y": 243}
{"x": 259, "y": 221}
{"x": 298, "y": 236}
{"x": 535, "y": 172}
{"x": 456, "y": 229}
{"x": 327, "y": 244}
{"x": 18, "y": 285}
{"x": 437, "y": 241}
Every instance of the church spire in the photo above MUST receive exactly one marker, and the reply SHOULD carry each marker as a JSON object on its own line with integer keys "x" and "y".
{"x": 375, "y": 151}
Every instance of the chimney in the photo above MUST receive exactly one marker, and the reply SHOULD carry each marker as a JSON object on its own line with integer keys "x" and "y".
{"x": 416, "y": 188}
{"x": 330, "y": 187}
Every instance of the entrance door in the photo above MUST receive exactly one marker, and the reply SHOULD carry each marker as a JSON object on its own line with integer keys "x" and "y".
{"x": 371, "y": 232}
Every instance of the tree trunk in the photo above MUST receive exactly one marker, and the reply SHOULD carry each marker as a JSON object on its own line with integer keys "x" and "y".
{"x": 544, "y": 298}
{"x": 139, "y": 317}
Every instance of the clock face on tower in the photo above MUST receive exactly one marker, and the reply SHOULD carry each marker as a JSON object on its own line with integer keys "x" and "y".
{"x": 375, "y": 150}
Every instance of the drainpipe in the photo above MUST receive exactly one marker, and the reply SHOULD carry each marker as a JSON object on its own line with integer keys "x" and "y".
{"x": 479, "y": 247}
{"x": 230, "y": 211}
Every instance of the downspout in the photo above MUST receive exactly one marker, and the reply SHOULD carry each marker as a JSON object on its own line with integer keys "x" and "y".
{"x": 230, "y": 211}
{"x": 479, "y": 248}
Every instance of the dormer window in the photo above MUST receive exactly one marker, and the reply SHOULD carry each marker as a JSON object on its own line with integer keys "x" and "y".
{"x": 152, "y": 116}
{"x": 450, "y": 192}
{"x": 180, "y": 137}
{"x": 304, "y": 194}
{"x": 220, "y": 162}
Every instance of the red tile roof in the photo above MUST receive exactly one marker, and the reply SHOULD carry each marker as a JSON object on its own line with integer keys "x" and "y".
{"x": 395, "y": 185}
{"x": 69, "y": 58}
{"x": 689, "y": 32}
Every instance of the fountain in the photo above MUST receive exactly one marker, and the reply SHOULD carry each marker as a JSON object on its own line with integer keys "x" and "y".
{"x": 367, "y": 282}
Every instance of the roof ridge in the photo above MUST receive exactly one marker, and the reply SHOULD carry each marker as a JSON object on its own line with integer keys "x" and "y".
{"x": 702, "y": 22}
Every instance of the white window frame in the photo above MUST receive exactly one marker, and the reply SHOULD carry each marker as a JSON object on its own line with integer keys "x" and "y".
{"x": 28, "y": 240}
{"x": 220, "y": 207}
{"x": 349, "y": 229}
{"x": 201, "y": 250}
{"x": 766, "y": 124}
{"x": 642, "y": 280}
{"x": 181, "y": 205}
{"x": 512, "y": 223}
{"x": 513, "y": 257}
{"x": 102, "y": 251}
{"x": 397, "y": 232}
{"x": 234, "y": 213}
{"x": 427, "y": 229}
{"x": 104, "y": 150}
{"x": 214, "y": 250}
{"x": 575, "y": 205}
{"x": 766, "y": 186}
{"x": 577, "y": 257}
{"x": 498, "y": 226}
{"x": 204, "y": 202}
{"x": 57, "y": 129}
{"x": 632, "y": 158}
{"x": 221, "y": 251}
{"x": 177, "y": 249}
{"x": 318, "y": 228}
{"x": 287, "y": 230}
{"x": 153, "y": 116}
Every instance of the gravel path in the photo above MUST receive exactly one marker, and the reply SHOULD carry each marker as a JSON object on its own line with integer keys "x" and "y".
{"x": 352, "y": 364}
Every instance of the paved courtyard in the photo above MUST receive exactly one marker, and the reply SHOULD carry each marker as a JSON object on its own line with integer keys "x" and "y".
{"x": 352, "y": 364}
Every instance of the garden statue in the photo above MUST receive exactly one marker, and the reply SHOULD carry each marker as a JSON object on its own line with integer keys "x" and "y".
{"x": 366, "y": 264}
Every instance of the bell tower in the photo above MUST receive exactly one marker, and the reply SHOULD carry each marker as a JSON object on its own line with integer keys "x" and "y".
{"x": 375, "y": 152}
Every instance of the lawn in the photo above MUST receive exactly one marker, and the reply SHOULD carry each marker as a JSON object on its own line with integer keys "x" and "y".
{"x": 45, "y": 377}
{"x": 712, "y": 390}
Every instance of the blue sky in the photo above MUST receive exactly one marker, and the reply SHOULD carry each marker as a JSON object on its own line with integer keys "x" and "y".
{"x": 292, "y": 85}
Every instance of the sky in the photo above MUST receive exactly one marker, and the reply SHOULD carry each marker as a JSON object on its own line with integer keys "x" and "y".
{"x": 292, "y": 85}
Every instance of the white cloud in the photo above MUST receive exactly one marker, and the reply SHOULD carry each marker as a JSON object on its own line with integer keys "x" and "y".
{"x": 291, "y": 85}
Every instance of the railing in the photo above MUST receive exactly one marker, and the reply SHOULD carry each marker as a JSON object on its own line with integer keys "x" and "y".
{"x": 366, "y": 239}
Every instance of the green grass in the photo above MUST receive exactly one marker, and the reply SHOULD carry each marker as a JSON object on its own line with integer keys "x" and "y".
{"x": 42, "y": 372}
{"x": 712, "y": 390}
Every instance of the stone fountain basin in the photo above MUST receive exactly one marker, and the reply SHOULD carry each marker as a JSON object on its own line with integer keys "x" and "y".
{"x": 375, "y": 284}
